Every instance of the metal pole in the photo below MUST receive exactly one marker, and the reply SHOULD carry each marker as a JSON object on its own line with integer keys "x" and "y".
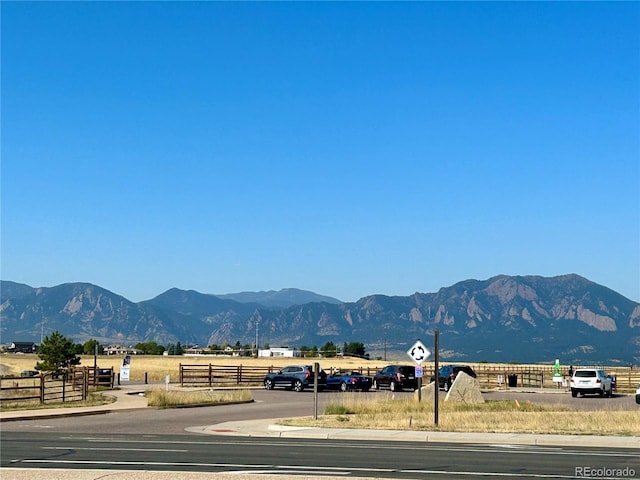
{"x": 437, "y": 383}
{"x": 95, "y": 365}
{"x": 316, "y": 372}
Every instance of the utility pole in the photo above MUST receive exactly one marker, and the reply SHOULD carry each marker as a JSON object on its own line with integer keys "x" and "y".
{"x": 257, "y": 324}
{"x": 385, "y": 348}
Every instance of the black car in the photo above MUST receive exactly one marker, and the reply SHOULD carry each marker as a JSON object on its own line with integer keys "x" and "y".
{"x": 295, "y": 377}
{"x": 447, "y": 374}
{"x": 396, "y": 378}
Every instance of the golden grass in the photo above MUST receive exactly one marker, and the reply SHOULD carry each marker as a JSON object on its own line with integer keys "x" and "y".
{"x": 157, "y": 367}
{"x": 491, "y": 417}
{"x": 158, "y": 397}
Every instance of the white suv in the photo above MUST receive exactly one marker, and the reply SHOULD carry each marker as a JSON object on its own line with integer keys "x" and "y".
{"x": 591, "y": 380}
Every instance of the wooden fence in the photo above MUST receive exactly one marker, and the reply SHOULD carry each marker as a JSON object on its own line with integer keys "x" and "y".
{"x": 494, "y": 376}
{"x": 72, "y": 386}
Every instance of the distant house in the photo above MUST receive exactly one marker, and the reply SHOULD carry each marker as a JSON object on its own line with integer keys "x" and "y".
{"x": 22, "y": 347}
{"x": 120, "y": 350}
{"x": 279, "y": 352}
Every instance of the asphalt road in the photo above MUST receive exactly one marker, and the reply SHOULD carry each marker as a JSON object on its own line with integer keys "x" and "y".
{"x": 152, "y": 440}
{"x": 237, "y": 455}
{"x": 268, "y": 404}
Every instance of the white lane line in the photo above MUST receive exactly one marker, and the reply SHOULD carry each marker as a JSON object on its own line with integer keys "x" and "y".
{"x": 489, "y": 474}
{"x": 275, "y": 469}
{"x": 103, "y": 449}
{"x": 506, "y": 448}
{"x": 278, "y": 472}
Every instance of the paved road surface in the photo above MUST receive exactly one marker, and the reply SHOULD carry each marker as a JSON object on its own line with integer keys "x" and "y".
{"x": 406, "y": 460}
{"x": 141, "y": 443}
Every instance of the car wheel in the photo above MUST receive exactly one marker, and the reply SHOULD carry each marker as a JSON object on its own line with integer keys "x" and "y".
{"x": 268, "y": 384}
{"x": 343, "y": 387}
{"x": 574, "y": 393}
{"x": 601, "y": 393}
{"x": 375, "y": 385}
{"x": 447, "y": 385}
{"x": 298, "y": 386}
{"x": 393, "y": 386}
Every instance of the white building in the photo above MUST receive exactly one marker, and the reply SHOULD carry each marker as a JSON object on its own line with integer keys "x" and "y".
{"x": 279, "y": 352}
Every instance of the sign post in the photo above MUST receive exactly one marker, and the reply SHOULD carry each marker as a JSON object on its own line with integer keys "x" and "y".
{"x": 419, "y": 353}
{"x": 124, "y": 369}
{"x": 557, "y": 374}
{"x": 436, "y": 390}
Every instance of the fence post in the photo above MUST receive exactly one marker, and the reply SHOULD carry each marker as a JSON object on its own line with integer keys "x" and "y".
{"x": 210, "y": 375}
{"x": 181, "y": 382}
{"x": 239, "y": 376}
{"x": 64, "y": 385}
{"x": 41, "y": 389}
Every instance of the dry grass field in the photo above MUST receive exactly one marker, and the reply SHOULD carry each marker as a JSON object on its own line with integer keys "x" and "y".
{"x": 490, "y": 417}
{"x": 158, "y": 397}
{"x": 157, "y": 367}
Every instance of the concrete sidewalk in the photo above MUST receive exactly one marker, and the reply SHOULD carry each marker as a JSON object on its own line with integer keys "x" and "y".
{"x": 270, "y": 428}
{"x": 130, "y": 397}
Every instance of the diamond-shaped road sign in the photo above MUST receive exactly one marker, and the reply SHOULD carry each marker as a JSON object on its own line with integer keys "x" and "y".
{"x": 418, "y": 352}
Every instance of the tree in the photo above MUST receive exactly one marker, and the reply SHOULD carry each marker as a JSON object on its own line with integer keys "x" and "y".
{"x": 150, "y": 348}
{"x": 329, "y": 349}
{"x": 354, "y": 348}
{"x": 89, "y": 347}
{"x": 175, "y": 349}
{"x": 57, "y": 354}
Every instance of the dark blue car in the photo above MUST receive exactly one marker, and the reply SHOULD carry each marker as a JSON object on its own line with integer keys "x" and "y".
{"x": 294, "y": 377}
{"x": 348, "y": 381}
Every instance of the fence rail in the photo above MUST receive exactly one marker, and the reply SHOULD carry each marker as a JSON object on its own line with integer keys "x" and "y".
{"x": 627, "y": 379}
{"x": 72, "y": 386}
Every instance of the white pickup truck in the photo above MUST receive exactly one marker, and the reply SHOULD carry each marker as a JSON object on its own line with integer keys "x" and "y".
{"x": 591, "y": 380}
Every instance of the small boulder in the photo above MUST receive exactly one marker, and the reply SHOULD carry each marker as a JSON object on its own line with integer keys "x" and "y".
{"x": 465, "y": 389}
{"x": 426, "y": 391}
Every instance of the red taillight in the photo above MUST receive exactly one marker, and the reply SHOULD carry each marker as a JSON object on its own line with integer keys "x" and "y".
{"x": 598, "y": 381}
{"x": 307, "y": 374}
{"x": 353, "y": 380}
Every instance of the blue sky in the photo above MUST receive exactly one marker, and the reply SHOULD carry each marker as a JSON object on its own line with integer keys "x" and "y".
{"x": 344, "y": 148}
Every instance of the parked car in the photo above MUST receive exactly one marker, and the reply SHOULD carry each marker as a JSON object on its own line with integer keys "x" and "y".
{"x": 396, "y": 378}
{"x": 638, "y": 395}
{"x": 348, "y": 381}
{"x": 447, "y": 374}
{"x": 591, "y": 380}
{"x": 295, "y": 377}
{"x": 613, "y": 382}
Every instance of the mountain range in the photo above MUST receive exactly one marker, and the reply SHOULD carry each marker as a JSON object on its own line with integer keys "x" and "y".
{"x": 524, "y": 319}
